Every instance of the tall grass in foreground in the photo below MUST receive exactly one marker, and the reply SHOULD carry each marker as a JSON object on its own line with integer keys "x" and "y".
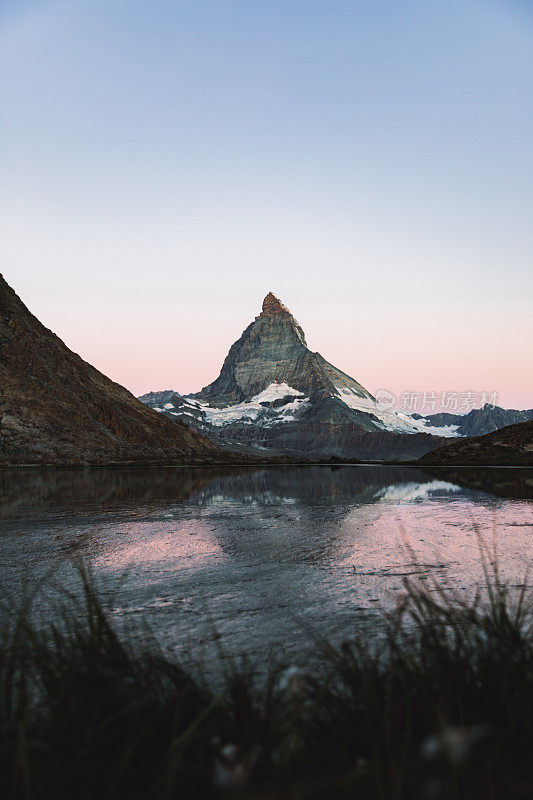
{"x": 442, "y": 709}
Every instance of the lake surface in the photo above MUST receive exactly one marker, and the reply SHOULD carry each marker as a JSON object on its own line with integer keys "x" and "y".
{"x": 258, "y": 560}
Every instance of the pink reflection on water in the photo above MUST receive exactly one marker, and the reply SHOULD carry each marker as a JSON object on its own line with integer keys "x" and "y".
{"x": 165, "y": 544}
{"x": 375, "y": 556}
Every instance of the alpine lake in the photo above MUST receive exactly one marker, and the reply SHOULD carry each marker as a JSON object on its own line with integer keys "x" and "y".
{"x": 258, "y": 563}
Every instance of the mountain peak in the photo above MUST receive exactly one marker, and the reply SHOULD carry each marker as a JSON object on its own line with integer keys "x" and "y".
{"x": 272, "y": 350}
{"x": 272, "y": 306}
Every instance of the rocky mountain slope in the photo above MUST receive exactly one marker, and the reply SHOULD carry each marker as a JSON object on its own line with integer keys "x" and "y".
{"x": 511, "y": 446}
{"x": 480, "y": 420}
{"x": 274, "y": 393}
{"x": 57, "y": 409}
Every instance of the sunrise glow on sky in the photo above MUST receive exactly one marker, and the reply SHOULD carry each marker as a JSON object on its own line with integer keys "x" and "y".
{"x": 166, "y": 164}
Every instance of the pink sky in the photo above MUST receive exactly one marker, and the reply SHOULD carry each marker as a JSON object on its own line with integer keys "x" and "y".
{"x": 165, "y": 165}
{"x": 166, "y": 340}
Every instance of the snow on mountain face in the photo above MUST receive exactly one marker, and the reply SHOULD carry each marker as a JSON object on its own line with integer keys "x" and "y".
{"x": 276, "y": 391}
{"x": 391, "y": 420}
{"x": 480, "y": 421}
{"x": 448, "y": 431}
{"x": 276, "y": 404}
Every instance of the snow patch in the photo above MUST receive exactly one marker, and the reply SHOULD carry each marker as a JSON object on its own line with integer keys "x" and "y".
{"x": 390, "y": 420}
{"x": 443, "y": 430}
{"x": 276, "y": 391}
{"x": 254, "y": 410}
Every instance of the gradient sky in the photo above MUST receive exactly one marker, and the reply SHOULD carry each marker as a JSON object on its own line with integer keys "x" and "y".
{"x": 165, "y": 164}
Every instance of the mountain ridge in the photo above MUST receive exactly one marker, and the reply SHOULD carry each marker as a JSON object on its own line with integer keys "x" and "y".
{"x": 510, "y": 446}
{"x": 55, "y": 408}
{"x": 480, "y": 421}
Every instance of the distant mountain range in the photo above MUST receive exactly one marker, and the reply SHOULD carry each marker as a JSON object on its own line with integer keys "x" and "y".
{"x": 275, "y": 394}
{"x": 57, "y": 409}
{"x": 479, "y": 421}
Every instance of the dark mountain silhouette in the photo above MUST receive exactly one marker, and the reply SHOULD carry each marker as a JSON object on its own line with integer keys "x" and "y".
{"x": 510, "y": 446}
{"x": 57, "y": 409}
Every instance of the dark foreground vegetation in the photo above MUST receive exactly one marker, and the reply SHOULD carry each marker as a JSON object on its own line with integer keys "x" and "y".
{"x": 442, "y": 708}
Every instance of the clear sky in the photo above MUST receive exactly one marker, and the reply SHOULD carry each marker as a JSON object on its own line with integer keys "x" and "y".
{"x": 166, "y": 163}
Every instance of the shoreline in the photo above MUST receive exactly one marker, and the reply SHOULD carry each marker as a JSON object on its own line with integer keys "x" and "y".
{"x": 256, "y": 465}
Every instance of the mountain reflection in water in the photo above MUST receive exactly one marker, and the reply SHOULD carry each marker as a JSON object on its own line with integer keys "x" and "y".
{"x": 259, "y": 556}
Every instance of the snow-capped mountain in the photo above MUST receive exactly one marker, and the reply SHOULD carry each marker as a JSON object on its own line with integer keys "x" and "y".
{"x": 479, "y": 421}
{"x": 273, "y": 392}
